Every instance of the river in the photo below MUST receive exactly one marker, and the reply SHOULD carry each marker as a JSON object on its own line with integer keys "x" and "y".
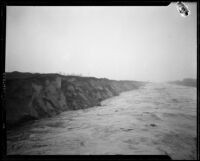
{"x": 155, "y": 119}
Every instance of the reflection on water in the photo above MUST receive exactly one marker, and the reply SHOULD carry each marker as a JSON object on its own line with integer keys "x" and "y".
{"x": 156, "y": 119}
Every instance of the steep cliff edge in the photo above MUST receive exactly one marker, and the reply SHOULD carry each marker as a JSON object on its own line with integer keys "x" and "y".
{"x": 33, "y": 96}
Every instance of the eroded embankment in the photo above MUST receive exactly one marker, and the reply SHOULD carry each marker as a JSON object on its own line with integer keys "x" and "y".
{"x": 34, "y": 96}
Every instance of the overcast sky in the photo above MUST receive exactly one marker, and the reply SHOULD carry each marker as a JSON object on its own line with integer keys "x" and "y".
{"x": 122, "y": 43}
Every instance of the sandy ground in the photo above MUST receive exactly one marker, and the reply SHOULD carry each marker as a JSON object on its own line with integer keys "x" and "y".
{"x": 156, "y": 119}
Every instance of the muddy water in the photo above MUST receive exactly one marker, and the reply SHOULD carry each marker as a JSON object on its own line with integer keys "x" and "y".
{"x": 156, "y": 119}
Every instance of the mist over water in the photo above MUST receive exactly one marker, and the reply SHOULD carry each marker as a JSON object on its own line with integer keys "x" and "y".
{"x": 155, "y": 119}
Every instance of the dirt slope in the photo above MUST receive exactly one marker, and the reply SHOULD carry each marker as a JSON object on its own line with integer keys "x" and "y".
{"x": 33, "y": 96}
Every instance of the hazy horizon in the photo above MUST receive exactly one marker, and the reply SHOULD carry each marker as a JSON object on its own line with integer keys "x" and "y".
{"x": 122, "y": 43}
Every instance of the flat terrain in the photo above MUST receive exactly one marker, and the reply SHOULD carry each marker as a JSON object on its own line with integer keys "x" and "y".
{"x": 155, "y": 119}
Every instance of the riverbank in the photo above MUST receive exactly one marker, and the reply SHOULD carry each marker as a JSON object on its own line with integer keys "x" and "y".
{"x": 34, "y": 96}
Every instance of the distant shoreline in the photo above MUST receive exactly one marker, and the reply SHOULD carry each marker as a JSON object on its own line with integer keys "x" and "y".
{"x": 185, "y": 82}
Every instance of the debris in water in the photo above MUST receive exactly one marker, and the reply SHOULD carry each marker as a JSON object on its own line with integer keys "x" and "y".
{"x": 153, "y": 125}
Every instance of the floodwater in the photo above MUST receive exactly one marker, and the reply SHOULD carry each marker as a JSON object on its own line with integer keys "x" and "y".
{"x": 155, "y": 119}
